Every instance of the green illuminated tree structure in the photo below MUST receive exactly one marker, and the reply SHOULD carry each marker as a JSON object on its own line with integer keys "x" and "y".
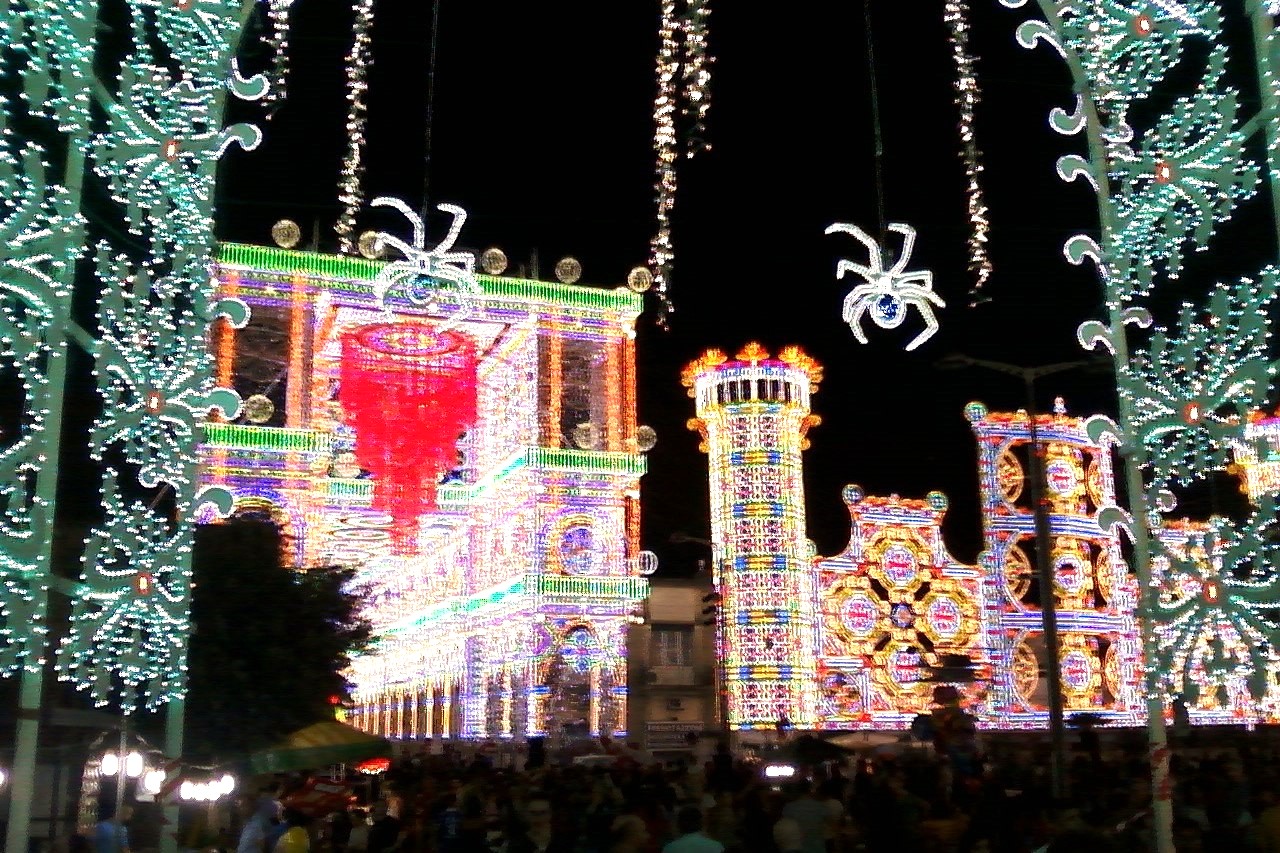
{"x": 151, "y": 136}
{"x": 1163, "y": 184}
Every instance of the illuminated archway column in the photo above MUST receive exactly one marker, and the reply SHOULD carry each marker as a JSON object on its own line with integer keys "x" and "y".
{"x": 446, "y": 707}
{"x": 536, "y": 702}
{"x": 753, "y": 415}
{"x": 507, "y": 718}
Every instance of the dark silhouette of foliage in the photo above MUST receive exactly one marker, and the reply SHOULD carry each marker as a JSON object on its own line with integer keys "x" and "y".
{"x": 269, "y": 642}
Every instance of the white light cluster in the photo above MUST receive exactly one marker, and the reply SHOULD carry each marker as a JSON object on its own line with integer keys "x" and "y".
{"x": 452, "y": 273}
{"x": 956, "y": 14}
{"x": 278, "y": 44}
{"x": 887, "y": 293}
{"x": 682, "y": 51}
{"x": 358, "y": 61}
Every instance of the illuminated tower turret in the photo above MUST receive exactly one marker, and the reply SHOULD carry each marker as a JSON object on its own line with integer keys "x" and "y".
{"x": 753, "y": 413}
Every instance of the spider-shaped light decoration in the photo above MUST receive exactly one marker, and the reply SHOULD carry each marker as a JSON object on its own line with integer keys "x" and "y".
{"x": 451, "y": 272}
{"x": 888, "y": 293}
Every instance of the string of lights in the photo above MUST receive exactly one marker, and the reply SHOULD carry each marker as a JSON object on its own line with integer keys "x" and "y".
{"x": 350, "y": 194}
{"x": 278, "y": 43}
{"x": 684, "y": 75}
{"x": 956, "y": 15}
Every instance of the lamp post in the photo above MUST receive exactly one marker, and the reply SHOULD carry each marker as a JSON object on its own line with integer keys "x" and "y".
{"x": 1044, "y": 541}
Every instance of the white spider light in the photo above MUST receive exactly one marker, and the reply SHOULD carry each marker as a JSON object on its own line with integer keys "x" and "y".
{"x": 450, "y": 272}
{"x": 887, "y": 294}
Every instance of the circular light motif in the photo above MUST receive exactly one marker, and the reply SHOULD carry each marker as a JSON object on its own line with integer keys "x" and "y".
{"x": 1009, "y": 475}
{"x": 568, "y": 270}
{"x": 944, "y": 617}
{"x": 1143, "y": 26}
{"x": 493, "y": 261}
{"x": 640, "y": 279}
{"x": 902, "y": 616}
{"x": 286, "y": 233}
{"x": 579, "y": 651}
{"x": 1062, "y": 477}
{"x": 899, "y": 565}
{"x": 258, "y": 409}
{"x": 859, "y": 614}
{"x": 1077, "y": 671}
{"x": 578, "y": 555}
{"x": 1212, "y": 592}
{"x": 1164, "y": 172}
{"x": 1069, "y": 573}
{"x": 1192, "y": 413}
{"x": 904, "y": 667}
{"x": 888, "y": 310}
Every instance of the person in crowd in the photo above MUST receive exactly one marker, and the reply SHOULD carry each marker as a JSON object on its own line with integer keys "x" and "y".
{"x": 112, "y": 832}
{"x": 259, "y": 813}
{"x": 692, "y": 839}
{"x": 629, "y": 835}
{"x": 537, "y": 835}
{"x": 386, "y": 833}
{"x": 296, "y": 837}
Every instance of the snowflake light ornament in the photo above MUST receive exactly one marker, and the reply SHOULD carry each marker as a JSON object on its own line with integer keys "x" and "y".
{"x": 449, "y": 271}
{"x": 888, "y": 293}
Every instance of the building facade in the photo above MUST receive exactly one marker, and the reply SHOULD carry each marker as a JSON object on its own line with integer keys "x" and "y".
{"x": 480, "y": 467}
{"x": 673, "y": 665}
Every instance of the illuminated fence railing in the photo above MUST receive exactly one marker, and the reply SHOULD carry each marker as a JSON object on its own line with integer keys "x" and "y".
{"x": 242, "y": 437}
{"x": 291, "y": 262}
{"x": 587, "y": 587}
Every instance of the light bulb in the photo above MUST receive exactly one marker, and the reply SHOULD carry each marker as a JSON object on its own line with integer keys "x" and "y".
{"x": 110, "y": 764}
{"x": 188, "y": 790}
{"x": 153, "y": 781}
{"x": 133, "y": 765}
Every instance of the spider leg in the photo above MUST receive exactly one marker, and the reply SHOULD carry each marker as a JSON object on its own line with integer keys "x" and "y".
{"x": 930, "y": 325}
{"x": 845, "y": 266}
{"x": 876, "y": 266}
{"x": 459, "y": 217}
{"x": 419, "y": 228}
{"x": 908, "y": 243}
{"x": 853, "y": 311}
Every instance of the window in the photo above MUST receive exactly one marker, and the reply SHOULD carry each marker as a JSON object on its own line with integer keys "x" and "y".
{"x": 672, "y": 645}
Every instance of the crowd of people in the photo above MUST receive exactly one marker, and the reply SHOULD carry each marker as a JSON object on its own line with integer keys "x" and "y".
{"x": 1224, "y": 799}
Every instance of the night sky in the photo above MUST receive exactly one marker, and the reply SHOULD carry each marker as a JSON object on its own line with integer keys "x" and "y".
{"x": 542, "y": 129}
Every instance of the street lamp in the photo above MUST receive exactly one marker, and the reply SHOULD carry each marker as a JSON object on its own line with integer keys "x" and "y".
{"x": 1044, "y": 540}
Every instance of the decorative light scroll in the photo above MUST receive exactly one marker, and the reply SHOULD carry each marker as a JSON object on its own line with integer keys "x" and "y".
{"x": 409, "y": 391}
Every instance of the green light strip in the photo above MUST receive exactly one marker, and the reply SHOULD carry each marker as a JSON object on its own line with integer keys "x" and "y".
{"x": 579, "y": 587}
{"x": 290, "y": 262}
{"x": 595, "y": 462}
{"x": 245, "y": 437}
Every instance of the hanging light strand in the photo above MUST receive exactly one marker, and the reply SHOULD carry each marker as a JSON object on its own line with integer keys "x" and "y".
{"x": 956, "y": 15}
{"x": 278, "y": 42}
{"x": 684, "y": 74}
{"x": 349, "y": 181}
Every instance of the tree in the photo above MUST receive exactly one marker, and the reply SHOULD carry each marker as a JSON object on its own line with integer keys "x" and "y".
{"x": 269, "y": 642}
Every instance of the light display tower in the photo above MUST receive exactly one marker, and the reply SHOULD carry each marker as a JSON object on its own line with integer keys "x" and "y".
{"x": 1094, "y": 596}
{"x": 753, "y": 414}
